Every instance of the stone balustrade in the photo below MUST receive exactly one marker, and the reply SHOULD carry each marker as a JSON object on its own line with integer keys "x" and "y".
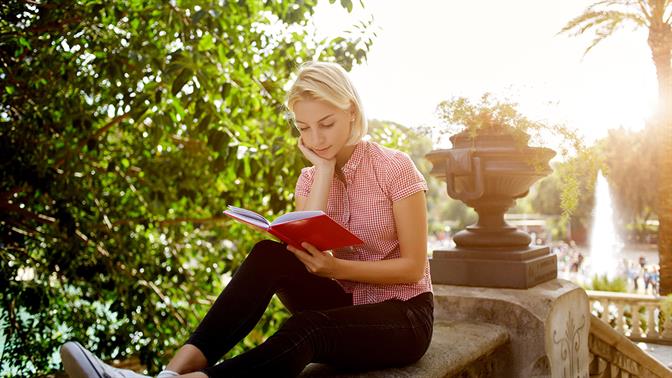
{"x": 636, "y": 316}
{"x": 614, "y": 355}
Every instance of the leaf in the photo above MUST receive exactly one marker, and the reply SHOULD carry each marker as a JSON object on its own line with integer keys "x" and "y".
{"x": 203, "y": 124}
{"x": 206, "y": 43}
{"x": 220, "y": 163}
{"x": 226, "y": 89}
{"x": 181, "y": 80}
{"x": 347, "y": 4}
{"x": 140, "y": 106}
{"x": 198, "y": 16}
{"x": 218, "y": 139}
{"x": 24, "y": 42}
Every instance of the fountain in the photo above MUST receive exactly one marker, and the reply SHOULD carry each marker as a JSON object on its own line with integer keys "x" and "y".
{"x": 605, "y": 245}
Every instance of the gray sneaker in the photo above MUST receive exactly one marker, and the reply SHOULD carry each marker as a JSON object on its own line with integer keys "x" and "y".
{"x": 80, "y": 363}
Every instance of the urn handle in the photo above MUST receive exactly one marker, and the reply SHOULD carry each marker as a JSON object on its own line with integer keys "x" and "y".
{"x": 452, "y": 168}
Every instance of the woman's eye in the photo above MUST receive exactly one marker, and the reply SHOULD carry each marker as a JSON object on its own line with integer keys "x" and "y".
{"x": 329, "y": 125}
{"x": 302, "y": 129}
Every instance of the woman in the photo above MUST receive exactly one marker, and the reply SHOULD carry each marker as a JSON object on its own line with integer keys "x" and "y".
{"x": 365, "y": 307}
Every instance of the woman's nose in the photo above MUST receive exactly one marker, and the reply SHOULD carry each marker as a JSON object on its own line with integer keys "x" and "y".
{"x": 319, "y": 137}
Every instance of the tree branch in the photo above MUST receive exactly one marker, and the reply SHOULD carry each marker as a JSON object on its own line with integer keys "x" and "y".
{"x": 37, "y": 4}
{"x": 54, "y": 25}
{"x": 164, "y": 299}
{"x": 116, "y": 120}
{"x": 20, "y": 250}
{"x": 26, "y": 214}
{"x": 167, "y": 222}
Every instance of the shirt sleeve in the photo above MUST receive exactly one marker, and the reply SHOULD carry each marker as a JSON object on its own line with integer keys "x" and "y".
{"x": 304, "y": 183}
{"x": 403, "y": 177}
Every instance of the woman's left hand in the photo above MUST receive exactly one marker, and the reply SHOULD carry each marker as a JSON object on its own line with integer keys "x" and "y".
{"x": 319, "y": 263}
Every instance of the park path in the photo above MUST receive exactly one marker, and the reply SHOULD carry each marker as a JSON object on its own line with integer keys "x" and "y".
{"x": 662, "y": 353}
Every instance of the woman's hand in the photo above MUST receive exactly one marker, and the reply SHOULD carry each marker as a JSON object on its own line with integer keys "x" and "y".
{"x": 317, "y": 161}
{"x": 319, "y": 263}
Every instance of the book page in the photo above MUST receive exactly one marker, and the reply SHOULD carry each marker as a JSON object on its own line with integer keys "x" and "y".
{"x": 297, "y": 215}
{"x": 249, "y": 215}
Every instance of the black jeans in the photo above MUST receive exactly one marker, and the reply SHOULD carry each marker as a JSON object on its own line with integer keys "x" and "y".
{"x": 324, "y": 327}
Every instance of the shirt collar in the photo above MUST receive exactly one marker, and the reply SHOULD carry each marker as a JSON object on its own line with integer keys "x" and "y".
{"x": 356, "y": 157}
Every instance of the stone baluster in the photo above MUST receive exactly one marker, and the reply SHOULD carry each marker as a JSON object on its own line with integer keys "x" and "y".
{"x": 605, "y": 311}
{"x": 666, "y": 332}
{"x": 594, "y": 306}
{"x": 620, "y": 323}
{"x": 651, "y": 331}
{"x": 597, "y": 365}
{"x": 635, "y": 329}
{"x": 654, "y": 328}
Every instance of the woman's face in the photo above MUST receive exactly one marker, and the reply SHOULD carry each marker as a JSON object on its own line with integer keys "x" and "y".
{"x": 324, "y": 128}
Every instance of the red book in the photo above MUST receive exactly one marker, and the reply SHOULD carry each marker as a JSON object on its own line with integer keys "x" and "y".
{"x": 314, "y": 227}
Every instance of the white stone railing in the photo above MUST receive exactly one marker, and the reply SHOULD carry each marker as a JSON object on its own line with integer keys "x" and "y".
{"x": 636, "y": 316}
{"x": 614, "y": 355}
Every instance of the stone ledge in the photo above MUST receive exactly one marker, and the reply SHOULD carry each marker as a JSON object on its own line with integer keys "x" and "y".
{"x": 455, "y": 346}
{"x": 541, "y": 322}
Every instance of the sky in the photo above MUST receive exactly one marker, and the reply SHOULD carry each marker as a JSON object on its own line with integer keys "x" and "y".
{"x": 428, "y": 51}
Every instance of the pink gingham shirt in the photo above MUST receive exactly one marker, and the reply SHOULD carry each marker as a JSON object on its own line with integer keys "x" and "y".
{"x": 376, "y": 177}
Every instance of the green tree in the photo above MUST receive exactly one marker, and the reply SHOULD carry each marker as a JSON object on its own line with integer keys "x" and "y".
{"x": 126, "y": 127}
{"x": 548, "y": 194}
{"x": 631, "y": 172}
{"x": 603, "y": 19}
{"x": 545, "y": 197}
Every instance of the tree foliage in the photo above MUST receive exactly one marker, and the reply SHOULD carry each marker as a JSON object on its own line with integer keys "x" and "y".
{"x": 631, "y": 172}
{"x": 126, "y": 127}
{"x": 572, "y": 181}
{"x": 603, "y": 19}
{"x": 628, "y": 162}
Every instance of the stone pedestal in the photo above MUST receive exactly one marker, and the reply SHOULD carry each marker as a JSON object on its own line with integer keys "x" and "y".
{"x": 548, "y": 324}
{"x": 517, "y": 269}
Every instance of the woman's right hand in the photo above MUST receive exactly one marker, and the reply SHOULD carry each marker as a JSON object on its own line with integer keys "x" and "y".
{"x": 318, "y": 161}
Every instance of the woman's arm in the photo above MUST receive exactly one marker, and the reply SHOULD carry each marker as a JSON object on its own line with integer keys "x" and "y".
{"x": 319, "y": 191}
{"x": 410, "y": 216}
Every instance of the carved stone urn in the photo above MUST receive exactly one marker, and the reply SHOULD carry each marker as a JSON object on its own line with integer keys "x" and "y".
{"x": 488, "y": 172}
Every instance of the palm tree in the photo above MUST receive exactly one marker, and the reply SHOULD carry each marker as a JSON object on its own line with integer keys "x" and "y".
{"x": 602, "y": 19}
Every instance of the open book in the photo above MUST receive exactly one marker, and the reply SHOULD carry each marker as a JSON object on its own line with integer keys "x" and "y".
{"x": 314, "y": 227}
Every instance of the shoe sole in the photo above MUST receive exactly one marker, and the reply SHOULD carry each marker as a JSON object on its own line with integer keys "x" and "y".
{"x": 77, "y": 363}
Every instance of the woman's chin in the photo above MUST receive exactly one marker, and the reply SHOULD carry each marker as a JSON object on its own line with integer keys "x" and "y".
{"x": 326, "y": 154}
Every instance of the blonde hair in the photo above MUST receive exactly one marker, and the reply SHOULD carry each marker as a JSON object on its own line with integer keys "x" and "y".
{"x": 329, "y": 82}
